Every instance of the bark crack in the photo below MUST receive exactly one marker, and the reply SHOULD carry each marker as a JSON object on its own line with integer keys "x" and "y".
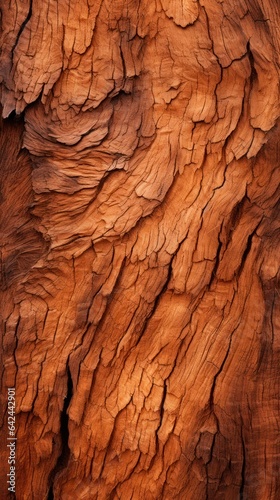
{"x": 213, "y": 388}
{"x": 22, "y": 27}
{"x": 64, "y": 456}
{"x": 247, "y": 248}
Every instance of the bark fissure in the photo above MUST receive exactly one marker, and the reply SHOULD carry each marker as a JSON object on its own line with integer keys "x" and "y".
{"x": 247, "y": 248}
{"x": 217, "y": 374}
{"x": 64, "y": 456}
{"x": 22, "y": 27}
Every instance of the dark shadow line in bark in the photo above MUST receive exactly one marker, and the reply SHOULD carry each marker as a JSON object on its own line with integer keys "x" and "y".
{"x": 27, "y": 19}
{"x": 64, "y": 435}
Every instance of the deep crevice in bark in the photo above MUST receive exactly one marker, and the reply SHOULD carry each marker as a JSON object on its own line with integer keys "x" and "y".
{"x": 254, "y": 74}
{"x": 23, "y": 25}
{"x": 247, "y": 250}
{"x": 64, "y": 435}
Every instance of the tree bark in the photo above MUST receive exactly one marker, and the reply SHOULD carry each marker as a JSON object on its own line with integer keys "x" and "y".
{"x": 140, "y": 248}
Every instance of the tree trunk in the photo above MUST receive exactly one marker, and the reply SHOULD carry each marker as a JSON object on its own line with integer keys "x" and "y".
{"x": 140, "y": 259}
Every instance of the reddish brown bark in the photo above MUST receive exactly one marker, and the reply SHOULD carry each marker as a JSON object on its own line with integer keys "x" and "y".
{"x": 140, "y": 248}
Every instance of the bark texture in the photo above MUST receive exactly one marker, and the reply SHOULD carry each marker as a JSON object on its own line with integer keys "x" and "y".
{"x": 140, "y": 248}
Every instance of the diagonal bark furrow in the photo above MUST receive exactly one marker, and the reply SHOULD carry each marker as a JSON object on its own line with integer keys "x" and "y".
{"x": 64, "y": 456}
{"x": 22, "y": 27}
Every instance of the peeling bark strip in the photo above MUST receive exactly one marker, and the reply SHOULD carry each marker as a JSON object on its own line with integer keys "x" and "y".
{"x": 140, "y": 248}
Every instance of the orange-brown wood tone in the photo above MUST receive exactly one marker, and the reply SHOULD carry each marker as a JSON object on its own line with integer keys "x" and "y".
{"x": 140, "y": 248}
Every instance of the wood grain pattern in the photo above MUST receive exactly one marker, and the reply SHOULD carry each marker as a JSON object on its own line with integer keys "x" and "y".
{"x": 140, "y": 247}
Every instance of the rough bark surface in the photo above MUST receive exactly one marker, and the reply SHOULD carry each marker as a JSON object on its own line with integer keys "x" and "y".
{"x": 140, "y": 248}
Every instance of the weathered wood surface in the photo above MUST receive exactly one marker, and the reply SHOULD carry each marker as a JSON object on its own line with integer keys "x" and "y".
{"x": 140, "y": 248}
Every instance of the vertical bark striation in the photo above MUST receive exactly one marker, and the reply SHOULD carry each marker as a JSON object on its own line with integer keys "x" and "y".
{"x": 141, "y": 247}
